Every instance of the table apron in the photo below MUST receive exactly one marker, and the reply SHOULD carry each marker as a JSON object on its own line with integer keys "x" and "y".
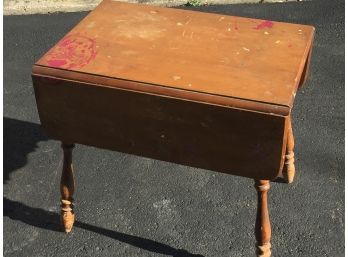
{"x": 228, "y": 140}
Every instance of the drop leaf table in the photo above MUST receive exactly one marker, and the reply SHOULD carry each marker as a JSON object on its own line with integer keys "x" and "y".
{"x": 204, "y": 90}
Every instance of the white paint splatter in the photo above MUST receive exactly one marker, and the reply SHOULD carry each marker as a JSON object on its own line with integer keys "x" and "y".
{"x": 176, "y": 77}
{"x": 246, "y": 49}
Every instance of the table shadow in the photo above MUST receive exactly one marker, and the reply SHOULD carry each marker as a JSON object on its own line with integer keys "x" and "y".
{"x": 20, "y": 139}
{"x": 49, "y": 220}
{"x": 280, "y": 180}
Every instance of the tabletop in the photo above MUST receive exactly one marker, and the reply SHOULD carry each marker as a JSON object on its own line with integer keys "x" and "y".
{"x": 213, "y": 54}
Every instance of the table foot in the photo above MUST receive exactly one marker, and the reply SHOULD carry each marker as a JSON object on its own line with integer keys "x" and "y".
{"x": 263, "y": 224}
{"x": 67, "y": 187}
{"x": 289, "y": 169}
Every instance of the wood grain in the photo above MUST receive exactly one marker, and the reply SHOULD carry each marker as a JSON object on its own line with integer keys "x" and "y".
{"x": 263, "y": 224}
{"x": 184, "y": 132}
{"x": 216, "y": 54}
{"x": 289, "y": 171}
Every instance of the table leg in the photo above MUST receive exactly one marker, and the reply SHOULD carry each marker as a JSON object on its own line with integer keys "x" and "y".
{"x": 262, "y": 225}
{"x": 67, "y": 187}
{"x": 289, "y": 169}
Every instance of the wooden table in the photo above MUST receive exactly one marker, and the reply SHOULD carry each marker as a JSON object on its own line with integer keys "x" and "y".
{"x": 204, "y": 90}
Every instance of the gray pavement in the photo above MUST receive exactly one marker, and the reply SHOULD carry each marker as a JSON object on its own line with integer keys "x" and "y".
{"x": 133, "y": 206}
{"x": 20, "y": 7}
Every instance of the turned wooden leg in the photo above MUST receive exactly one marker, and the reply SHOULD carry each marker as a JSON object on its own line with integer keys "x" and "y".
{"x": 262, "y": 225}
{"x": 289, "y": 169}
{"x": 67, "y": 187}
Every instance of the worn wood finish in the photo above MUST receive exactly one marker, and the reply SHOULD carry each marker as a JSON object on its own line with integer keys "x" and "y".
{"x": 263, "y": 224}
{"x": 205, "y": 90}
{"x": 67, "y": 187}
{"x": 169, "y": 92}
{"x": 289, "y": 171}
{"x": 240, "y": 58}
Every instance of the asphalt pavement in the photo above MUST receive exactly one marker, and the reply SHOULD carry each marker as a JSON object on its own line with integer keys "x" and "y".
{"x": 133, "y": 206}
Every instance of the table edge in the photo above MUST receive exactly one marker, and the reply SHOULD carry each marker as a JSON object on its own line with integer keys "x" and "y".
{"x": 160, "y": 90}
{"x": 301, "y": 70}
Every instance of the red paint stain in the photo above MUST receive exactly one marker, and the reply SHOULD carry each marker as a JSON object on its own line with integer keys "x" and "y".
{"x": 73, "y": 51}
{"x": 56, "y": 63}
{"x": 264, "y": 24}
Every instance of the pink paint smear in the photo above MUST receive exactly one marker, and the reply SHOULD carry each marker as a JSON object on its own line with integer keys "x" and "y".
{"x": 265, "y": 24}
{"x": 56, "y": 63}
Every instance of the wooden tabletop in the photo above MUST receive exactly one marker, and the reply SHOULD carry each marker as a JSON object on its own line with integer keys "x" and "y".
{"x": 237, "y": 58}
